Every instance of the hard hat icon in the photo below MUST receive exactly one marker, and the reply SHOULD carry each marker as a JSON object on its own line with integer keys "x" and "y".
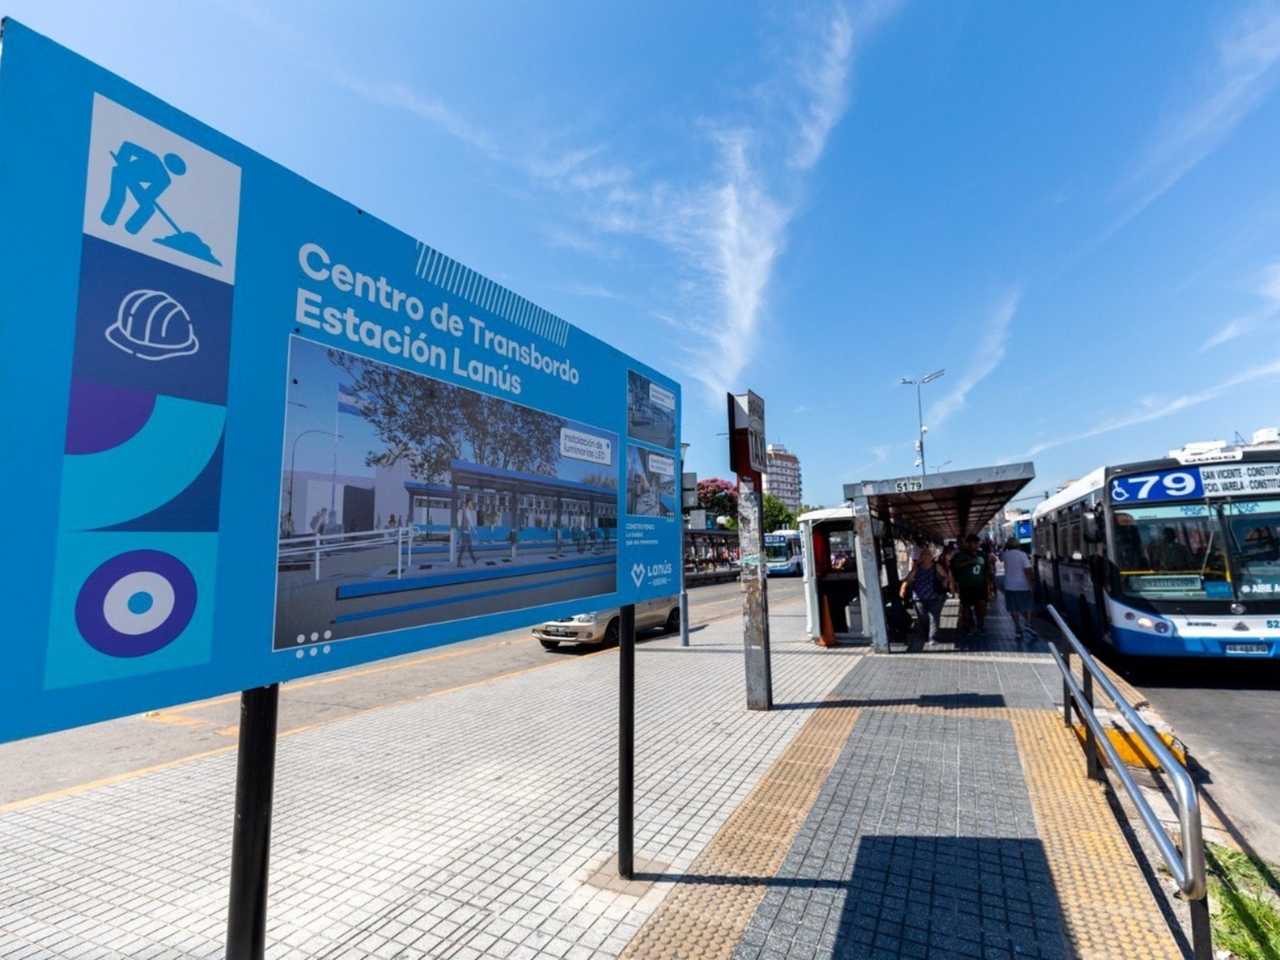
{"x": 152, "y": 325}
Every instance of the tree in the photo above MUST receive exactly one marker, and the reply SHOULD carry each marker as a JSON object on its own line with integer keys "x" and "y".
{"x": 431, "y": 423}
{"x": 718, "y": 497}
{"x": 776, "y": 514}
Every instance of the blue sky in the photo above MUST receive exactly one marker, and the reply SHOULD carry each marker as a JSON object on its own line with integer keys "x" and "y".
{"x": 1073, "y": 209}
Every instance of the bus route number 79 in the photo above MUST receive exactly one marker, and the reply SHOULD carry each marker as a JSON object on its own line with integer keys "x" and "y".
{"x": 1153, "y": 487}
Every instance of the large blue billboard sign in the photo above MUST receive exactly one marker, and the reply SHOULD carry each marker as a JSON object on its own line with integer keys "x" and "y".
{"x": 252, "y": 433}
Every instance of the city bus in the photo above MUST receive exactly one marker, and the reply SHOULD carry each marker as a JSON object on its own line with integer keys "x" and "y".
{"x": 782, "y": 553}
{"x": 1177, "y": 557}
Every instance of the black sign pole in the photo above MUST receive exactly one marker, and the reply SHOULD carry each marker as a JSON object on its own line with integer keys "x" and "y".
{"x": 251, "y": 839}
{"x": 626, "y": 740}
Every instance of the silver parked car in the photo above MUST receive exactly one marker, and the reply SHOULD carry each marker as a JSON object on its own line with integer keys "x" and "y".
{"x": 601, "y": 626}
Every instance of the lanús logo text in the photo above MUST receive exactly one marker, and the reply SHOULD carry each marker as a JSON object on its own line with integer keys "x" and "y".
{"x": 639, "y": 572}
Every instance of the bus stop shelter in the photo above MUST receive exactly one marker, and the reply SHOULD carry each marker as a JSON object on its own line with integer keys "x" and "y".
{"x": 938, "y": 507}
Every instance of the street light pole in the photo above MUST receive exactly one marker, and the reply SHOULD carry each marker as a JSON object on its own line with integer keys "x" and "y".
{"x": 293, "y": 457}
{"x": 920, "y": 411}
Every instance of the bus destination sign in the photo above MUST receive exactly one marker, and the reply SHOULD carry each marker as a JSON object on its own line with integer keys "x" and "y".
{"x": 1195, "y": 483}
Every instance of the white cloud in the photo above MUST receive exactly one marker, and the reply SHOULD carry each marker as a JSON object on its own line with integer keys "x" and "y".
{"x": 725, "y": 225}
{"x": 1242, "y": 76}
{"x": 595, "y": 290}
{"x": 824, "y": 77}
{"x": 1269, "y": 290}
{"x": 991, "y": 351}
{"x": 1156, "y": 408}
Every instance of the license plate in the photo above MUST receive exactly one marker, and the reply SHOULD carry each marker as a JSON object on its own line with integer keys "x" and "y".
{"x": 1248, "y": 649}
{"x": 555, "y": 631}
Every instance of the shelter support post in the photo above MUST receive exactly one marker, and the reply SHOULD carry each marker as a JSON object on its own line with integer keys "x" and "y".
{"x": 251, "y": 838}
{"x": 755, "y": 597}
{"x": 870, "y": 596}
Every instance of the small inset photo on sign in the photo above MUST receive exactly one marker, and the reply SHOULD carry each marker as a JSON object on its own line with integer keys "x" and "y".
{"x": 407, "y": 501}
{"x": 651, "y": 411}
{"x": 651, "y": 483}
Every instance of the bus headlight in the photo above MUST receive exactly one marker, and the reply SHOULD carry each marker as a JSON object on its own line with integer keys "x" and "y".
{"x": 1146, "y": 623}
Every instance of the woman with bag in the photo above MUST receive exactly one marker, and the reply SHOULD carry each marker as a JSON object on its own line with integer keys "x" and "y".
{"x": 928, "y": 582}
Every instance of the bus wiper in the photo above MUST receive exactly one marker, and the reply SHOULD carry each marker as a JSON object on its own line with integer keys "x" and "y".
{"x": 1208, "y": 552}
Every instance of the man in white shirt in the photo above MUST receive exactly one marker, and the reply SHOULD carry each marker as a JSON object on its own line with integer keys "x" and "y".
{"x": 1017, "y": 589}
{"x": 466, "y": 525}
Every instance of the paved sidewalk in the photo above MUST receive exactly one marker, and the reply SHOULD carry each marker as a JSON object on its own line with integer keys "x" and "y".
{"x": 909, "y": 805}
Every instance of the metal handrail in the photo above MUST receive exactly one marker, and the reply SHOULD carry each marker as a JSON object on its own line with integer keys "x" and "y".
{"x": 1187, "y": 869}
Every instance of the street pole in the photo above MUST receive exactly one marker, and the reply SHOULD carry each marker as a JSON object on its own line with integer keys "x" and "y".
{"x": 918, "y": 383}
{"x": 920, "y": 423}
{"x": 293, "y": 458}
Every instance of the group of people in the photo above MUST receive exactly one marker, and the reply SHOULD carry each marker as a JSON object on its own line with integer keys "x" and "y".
{"x": 968, "y": 570}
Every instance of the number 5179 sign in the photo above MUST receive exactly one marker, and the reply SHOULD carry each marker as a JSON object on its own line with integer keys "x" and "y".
{"x": 1158, "y": 486}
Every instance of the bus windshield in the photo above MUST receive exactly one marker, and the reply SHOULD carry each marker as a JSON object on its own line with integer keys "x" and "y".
{"x": 776, "y": 550}
{"x": 1172, "y": 552}
{"x": 1200, "y": 551}
{"x": 1253, "y": 534}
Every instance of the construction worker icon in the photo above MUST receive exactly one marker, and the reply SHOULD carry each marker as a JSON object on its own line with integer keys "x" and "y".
{"x": 142, "y": 174}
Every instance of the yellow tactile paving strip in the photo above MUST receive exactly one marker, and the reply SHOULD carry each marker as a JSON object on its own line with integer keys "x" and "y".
{"x": 1107, "y": 909}
{"x": 706, "y": 918}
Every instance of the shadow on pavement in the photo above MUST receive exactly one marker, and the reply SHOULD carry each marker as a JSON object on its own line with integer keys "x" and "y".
{"x": 907, "y": 896}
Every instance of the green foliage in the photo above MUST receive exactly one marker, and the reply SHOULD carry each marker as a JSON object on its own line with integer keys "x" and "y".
{"x": 1245, "y": 911}
{"x": 776, "y": 515}
{"x": 430, "y": 423}
{"x": 718, "y": 497}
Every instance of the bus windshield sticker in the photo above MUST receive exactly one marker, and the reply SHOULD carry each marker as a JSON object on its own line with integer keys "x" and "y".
{"x": 1217, "y": 589}
{"x": 1148, "y": 584}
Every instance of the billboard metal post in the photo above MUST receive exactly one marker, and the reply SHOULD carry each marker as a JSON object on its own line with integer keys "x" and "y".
{"x": 626, "y": 739}
{"x": 251, "y": 838}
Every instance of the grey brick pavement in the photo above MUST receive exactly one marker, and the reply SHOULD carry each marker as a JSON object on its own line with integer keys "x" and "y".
{"x": 462, "y": 826}
{"x": 922, "y": 842}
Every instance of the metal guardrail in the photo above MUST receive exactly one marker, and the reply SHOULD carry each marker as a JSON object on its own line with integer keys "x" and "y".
{"x": 1186, "y": 867}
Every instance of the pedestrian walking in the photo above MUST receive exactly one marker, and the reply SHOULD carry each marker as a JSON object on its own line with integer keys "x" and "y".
{"x": 928, "y": 584}
{"x": 1017, "y": 589}
{"x": 466, "y": 526}
{"x": 975, "y": 581}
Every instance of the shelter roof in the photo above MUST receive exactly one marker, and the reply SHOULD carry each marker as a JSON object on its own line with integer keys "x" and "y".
{"x": 945, "y": 506}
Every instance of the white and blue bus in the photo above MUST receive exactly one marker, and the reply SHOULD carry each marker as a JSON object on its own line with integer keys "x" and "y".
{"x": 1175, "y": 558}
{"x": 782, "y": 553}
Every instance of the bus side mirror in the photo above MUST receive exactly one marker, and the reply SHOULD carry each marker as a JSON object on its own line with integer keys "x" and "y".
{"x": 1089, "y": 527}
